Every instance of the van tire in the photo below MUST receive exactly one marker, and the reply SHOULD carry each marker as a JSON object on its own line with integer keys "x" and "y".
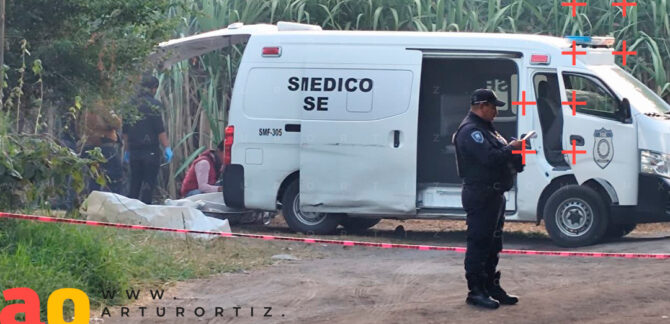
{"x": 358, "y": 224}
{"x": 576, "y": 216}
{"x": 615, "y": 231}
{"x": 308, "y": 223}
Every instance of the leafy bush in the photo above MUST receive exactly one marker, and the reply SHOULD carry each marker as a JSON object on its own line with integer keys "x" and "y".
{"x": 35, "y": 168}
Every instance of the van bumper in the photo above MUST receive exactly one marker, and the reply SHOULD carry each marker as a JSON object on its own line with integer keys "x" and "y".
{"x": 653, "y": 202}
{"x": 233, "y": 186}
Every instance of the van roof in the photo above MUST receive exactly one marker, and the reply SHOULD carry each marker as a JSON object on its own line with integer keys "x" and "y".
{"x": 310, "y": 33}
{"x": 296, "y": 33}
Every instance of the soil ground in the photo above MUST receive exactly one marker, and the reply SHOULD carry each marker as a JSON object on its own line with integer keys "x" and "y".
{"x": 336, "y": 284}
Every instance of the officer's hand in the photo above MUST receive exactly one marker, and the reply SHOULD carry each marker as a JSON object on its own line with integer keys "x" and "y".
{"x": 516, "y": 144}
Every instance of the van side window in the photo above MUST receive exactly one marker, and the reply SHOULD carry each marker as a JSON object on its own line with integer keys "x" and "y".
{"x": 599, "y": 100}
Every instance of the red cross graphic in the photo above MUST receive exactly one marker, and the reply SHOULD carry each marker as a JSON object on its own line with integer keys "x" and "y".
{"x": 574, "y": 4}
{"x": 624, "y": 5}
{"x": 624, "y": 53}
{"x": 523, "y": 103}
{"x": 523, "y": 152}
{"x": 574, "y": 152}
{"x": 574, "y": 103}
{"x": 574, "y": 53}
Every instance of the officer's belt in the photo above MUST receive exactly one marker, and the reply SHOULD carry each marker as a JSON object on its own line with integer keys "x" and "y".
{"x": 497, "y": 186}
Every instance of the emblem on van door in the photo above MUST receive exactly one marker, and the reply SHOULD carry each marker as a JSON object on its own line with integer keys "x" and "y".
{"x": 603, "y": 147}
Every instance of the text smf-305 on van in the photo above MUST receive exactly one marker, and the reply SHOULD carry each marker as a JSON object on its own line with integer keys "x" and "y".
{"x": 347, "y": 127}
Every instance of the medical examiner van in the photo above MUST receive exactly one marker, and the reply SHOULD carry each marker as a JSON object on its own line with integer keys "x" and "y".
{"x": 347, "y": 127}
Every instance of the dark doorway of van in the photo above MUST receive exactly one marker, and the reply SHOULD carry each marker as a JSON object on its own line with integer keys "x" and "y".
{"x": 446, "y": 86}
{"x": 548, "y": 97}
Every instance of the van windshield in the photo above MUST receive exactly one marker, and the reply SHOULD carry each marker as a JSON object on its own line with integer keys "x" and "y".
{"x": 627, "y": 86}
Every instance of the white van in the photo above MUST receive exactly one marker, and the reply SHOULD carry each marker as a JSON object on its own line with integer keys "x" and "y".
{"x": 347, "y": 127}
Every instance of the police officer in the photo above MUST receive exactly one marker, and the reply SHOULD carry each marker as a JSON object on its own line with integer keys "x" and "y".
{"x": 488, "y": 167}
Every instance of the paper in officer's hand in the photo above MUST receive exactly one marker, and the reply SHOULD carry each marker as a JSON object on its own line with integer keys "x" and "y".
{"x": 531, "y": 134}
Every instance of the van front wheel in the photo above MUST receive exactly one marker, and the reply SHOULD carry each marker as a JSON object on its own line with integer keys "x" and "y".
{"x": 575, "y": 216}
{"x": 306, "y": 222}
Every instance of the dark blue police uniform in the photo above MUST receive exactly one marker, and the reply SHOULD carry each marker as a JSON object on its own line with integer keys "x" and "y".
{"x": 488, "y": 167}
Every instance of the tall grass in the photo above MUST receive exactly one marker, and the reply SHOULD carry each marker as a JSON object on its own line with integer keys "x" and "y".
{"x": 198, "y": 92}
{"x": 47, "y": 257}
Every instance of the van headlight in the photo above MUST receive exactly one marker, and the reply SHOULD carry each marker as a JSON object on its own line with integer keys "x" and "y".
{"x": 655, "y": 163}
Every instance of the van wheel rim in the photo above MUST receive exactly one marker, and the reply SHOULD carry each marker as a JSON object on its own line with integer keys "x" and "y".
{"x": 307, "y": 218}
{"x": 574, "y": 217}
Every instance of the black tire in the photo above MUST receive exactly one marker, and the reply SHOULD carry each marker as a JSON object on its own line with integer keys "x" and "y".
{"x": 308, "y": 223}
{"x": 615, "y": 231}
{"x": 358, "y": 224}
{"x": 580, "y": 204}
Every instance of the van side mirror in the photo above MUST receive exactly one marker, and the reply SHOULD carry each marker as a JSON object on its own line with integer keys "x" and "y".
{"x": 624, "y": 110}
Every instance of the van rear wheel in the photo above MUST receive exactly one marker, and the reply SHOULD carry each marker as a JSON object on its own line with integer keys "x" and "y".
{"x": 306, "y": 222}
{"x": 576, "y": 216}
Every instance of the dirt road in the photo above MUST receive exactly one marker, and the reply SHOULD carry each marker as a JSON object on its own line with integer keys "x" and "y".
{"x": 333, "y": 284}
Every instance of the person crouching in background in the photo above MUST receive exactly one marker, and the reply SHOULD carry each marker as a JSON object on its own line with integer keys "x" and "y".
{"x": 203, "y": 173}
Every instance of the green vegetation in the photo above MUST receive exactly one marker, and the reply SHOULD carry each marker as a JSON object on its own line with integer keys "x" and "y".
{"x": 87, "y": 49}
{"x": 47, "y": 257}
{"x": 62, "y": 57}
{"x": 34, "y": 168}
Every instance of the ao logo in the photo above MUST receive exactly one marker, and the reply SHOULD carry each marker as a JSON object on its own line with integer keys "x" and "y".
{"x": 31, "y": 306}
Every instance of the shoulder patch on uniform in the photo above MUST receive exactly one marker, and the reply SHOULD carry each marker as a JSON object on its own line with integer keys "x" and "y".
{"x": 477, "y": 136}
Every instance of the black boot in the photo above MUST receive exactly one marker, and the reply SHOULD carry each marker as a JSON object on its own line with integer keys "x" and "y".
{"x": 478, "y": 295}
{"x": 499, "y": 294}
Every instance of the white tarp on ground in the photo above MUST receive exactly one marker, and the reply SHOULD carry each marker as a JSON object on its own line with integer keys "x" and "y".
{"x": 113, "y": 208}
{"x": 207, "y": 202}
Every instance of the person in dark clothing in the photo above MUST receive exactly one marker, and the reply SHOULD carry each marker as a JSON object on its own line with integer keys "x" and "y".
{"x": 142, "y": 142}
{"x": 99, "y": 127}
{"x": 488, "y": 167}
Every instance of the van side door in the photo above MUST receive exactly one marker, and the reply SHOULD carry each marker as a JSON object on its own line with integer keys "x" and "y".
{"x": 358, "y": 139}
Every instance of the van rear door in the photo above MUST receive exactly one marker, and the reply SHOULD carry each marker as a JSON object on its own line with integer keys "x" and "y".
{"x": 176, "y": 50}
{"x": 359, "y": 139}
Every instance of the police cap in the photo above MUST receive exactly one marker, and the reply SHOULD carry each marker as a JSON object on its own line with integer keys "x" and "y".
{"x": 485, "y": 95}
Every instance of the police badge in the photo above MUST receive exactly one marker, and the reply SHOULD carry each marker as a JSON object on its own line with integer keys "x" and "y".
{"x": 603, "y": 147}
{"x": 477, "y": 136}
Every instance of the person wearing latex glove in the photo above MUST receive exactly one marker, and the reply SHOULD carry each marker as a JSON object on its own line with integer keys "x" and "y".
{"x": 167, "y": 150}
{"x": 168, "y": 154}
{"x": 143, "y": 140}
